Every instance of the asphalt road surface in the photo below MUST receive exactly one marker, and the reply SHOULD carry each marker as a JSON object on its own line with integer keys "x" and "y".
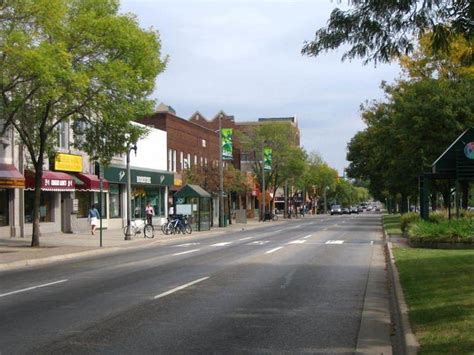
{"x": 296, "y": 287}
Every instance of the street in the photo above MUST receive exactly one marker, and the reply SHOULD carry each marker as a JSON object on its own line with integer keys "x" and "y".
{"x": 296, "y": 287}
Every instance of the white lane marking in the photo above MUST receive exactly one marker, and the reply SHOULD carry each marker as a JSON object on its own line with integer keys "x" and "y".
{"x": 325, "y": 229}
{"x": 273, "y": 250}
{"x": 33, "y": 287}
{"x": 186, "y": 252}
{"x": 185, "y": 245}
{"x": 335, "y": 242}
{"x": 278, "y": 231}
{"x": 259, "y": 242}
{"x": 246, "y": 238}
{"x": 308, "y": 236}
{"x": 297, "y": 241}
{"x": 371, "y": 242}
{"x": 179, "y": 288}
{"x": 223, "y": 244}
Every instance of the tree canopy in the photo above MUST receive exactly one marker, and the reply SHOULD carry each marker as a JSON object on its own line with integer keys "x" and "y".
{"x": 74, "y": 61}
{"x": 380, "y": 31}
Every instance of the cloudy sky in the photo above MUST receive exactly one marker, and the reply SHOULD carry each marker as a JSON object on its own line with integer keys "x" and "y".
{"x": 243, "y": 56}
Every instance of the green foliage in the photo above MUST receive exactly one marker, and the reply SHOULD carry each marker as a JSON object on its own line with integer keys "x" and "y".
{"x": 391, "y": 224}
{"x": 457, "y": 230}
{"x": 407, "y": 219}
{"x": 382, "y": 30}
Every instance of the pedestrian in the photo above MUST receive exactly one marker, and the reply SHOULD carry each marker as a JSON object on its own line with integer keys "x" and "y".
{"x": 94, "y": 218}
{"x": 149, "y": 212}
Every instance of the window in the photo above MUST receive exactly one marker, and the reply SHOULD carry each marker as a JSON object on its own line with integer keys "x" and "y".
{"x": 63, "y": 135}
{"x": 114, "y": 201}
{"x": 170, "y": 160}
{"x": 203, "y": 143}
{"x": 205, "y": 161}
{"x": 201, "y": 161}
{"x": 195, "y": 160}
{"x": 46, "y": 206}
{"x": 4, "y": 210}
{"x": 86, "y": 199}
{"x": 174, "y": 160}
{"x": 181, "y": 160}
{"x": 188, "y": 161}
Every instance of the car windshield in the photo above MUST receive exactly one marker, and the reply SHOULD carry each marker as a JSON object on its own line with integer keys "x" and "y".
{"x": 336, "y": 207}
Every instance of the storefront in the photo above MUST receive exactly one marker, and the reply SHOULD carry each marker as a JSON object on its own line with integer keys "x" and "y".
{"x": 147, "y": 186}
{"x": 56, "y": 187}
{"x": 10, "y": 180}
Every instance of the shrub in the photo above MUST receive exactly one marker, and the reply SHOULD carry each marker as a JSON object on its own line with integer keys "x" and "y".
{"x": 459, "y": 230}
{"x": 439, "y": 216}
{"x": 408, "y": 218}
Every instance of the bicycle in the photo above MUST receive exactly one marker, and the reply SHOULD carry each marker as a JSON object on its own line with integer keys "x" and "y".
{"x": 137, "y": 226}
{"x": 271, "y": 217}
{"x": 177, "y": 224}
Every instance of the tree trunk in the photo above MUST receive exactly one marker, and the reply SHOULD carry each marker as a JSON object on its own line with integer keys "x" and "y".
{"x": 433, "y": 201}
{"x": 35, "y": 242}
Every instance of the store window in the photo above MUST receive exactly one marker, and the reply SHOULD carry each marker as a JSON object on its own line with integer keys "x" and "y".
{"x": 4, "y": 210}
{"x": 114, "y": 201}
{"x": 85, "y": 201}
{"x": 141, "y": 196}
{"x": 46, "y": 206}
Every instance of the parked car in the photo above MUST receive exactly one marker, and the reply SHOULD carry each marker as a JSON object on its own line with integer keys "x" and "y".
{"x": 346, "y": 210}
{"x": 354, "y": 209}
{"x": 336, "y": 209}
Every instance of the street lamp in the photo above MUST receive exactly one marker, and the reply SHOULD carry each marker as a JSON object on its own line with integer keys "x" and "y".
{"x": 263, "y": 185}
{"x": 128, "y": 232}
{"x": 221, "y": 177}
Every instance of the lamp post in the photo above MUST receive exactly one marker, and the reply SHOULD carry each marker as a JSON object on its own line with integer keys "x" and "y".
{"x": 128, "y": 234}
{"x": 101, "y": 189}
{"x": 263, "y": 185}
{"x": 221, "y": 178}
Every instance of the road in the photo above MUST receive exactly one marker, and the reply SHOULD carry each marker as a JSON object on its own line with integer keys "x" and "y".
{"x": 296, "y": 287}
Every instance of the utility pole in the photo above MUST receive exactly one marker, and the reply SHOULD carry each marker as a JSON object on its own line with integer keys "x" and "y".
{"x": 128, "y": 232}
{"x": 263, "y": 185}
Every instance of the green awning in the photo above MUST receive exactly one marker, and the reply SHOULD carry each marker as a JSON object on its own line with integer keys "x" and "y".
{"x": 192, "y": 191}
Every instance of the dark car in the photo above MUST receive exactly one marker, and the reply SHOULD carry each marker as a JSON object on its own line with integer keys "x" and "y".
{"x": 336, "y": 209}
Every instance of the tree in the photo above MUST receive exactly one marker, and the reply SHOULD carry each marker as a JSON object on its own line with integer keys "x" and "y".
{"x": 71, "y": 61}
{"x": 288, "y": 159}
{"x": 380, "y": 31}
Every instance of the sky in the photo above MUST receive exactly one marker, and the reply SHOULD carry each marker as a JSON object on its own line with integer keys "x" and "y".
{"x": 244, "y": 57}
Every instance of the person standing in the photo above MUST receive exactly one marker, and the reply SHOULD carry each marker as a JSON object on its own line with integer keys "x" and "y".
{"x": 94, "y": 218}
{"x": 149, "y": 212}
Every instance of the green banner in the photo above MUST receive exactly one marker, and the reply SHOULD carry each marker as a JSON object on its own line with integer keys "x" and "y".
{"x": 267, "y": 159}
{"x": 226, "y": 134}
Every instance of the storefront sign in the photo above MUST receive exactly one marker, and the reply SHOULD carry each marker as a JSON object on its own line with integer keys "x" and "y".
{"x": 68, "y": 162}
{"x": 12, "y": 183}
{"x": 143, "y": 179}
{"x": 116, "y": 174}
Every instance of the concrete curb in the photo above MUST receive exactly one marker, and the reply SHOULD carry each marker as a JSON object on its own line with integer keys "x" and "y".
{"x": 409, "y": 342}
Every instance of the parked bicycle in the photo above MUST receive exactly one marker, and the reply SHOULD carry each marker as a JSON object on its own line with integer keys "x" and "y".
{"x": 270, "y": 217}
{"x": 177, "y": 224}
{"x": 138, "y": 226}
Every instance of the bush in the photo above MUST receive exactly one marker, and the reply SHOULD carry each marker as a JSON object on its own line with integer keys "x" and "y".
{"x": 408, "y": 218}
{"x": 459, "y": 230}
{"x": 439, "y": 216}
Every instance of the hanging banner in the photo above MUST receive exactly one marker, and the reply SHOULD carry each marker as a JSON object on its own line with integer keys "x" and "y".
{"x": 267, "y": 159}
{"x": 226, "y": 135}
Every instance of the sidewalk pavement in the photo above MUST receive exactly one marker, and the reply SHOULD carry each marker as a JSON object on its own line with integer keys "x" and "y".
{"x": 16, "y": 252}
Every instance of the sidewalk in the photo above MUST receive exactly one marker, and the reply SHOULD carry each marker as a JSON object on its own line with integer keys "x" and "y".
{"x": 16, "y": 252}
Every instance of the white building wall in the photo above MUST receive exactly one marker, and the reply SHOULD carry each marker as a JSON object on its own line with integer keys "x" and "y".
{"x": 151, "y": 151}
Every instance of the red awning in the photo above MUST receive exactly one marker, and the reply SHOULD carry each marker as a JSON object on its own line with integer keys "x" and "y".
{"x": 91, "y": 183}
{"x": 10, "y": 177}
{"x": 51, "y": 181}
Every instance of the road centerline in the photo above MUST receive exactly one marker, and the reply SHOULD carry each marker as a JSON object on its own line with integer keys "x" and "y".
{"x": 179, "y": 288}
{"x": 186, "y": 252}
{"x": 273, "y": 250}
{"x": 33, "y": 288}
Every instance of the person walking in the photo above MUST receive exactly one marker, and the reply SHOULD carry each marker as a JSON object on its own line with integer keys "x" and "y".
{"x": 149, "y": 212}
{"x": 94, "y": 218}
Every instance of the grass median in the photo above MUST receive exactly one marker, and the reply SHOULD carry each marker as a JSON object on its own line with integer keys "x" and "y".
{"x": 439, "y": 290}
{"x": 391, "y": 223}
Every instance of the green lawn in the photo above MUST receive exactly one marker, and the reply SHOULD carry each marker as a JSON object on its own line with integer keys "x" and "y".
{"x": 391, "y": 223}
{"x": 439, "y": 290}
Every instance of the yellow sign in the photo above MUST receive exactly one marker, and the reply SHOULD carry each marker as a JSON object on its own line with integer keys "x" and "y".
{"x": 12, "y": 183}
{"x": 68, "y": 162}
